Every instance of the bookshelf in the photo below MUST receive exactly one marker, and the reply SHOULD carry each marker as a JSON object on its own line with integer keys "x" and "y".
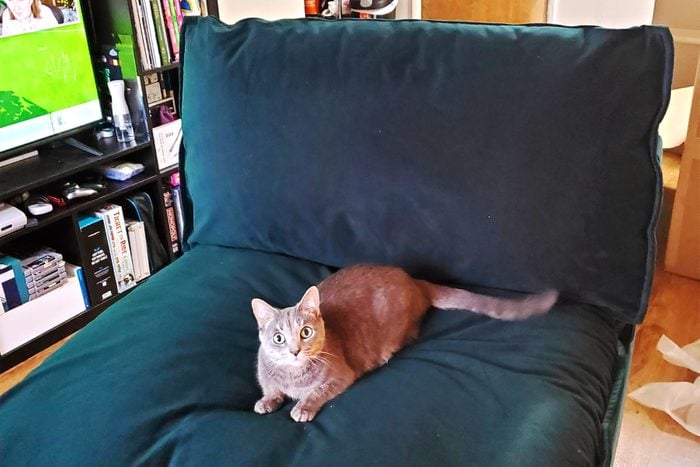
{"x": 110, "y": 23}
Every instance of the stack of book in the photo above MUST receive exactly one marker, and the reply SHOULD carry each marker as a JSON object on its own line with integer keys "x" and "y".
{"x": 113, "y": 251}
{"x": 157, "y": 28}
{"x": 125, "y": 239}
{"x": 112, "y": 216}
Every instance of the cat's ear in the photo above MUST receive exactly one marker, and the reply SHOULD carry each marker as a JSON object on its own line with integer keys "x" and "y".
{"x": 310, "y": 302}
{"x": 262, "y": 311}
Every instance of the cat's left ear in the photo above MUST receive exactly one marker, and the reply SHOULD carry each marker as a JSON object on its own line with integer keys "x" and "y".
{"x": 262, "y": 311}
{"x": 311, "y": 301}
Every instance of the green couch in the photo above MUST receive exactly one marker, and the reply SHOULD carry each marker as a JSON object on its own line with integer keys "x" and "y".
{"x": 499, "y": 158}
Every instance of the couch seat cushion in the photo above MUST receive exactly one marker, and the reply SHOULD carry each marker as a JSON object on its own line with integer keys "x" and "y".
{"x": 167, "y": 376}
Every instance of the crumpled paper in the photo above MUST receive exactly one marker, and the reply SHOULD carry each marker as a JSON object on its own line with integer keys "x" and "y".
{"x": 680, "y": 400}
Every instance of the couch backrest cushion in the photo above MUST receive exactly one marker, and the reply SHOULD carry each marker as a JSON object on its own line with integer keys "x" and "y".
{"x": 515, "y": 157}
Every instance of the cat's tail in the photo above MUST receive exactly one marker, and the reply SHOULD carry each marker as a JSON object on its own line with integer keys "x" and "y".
{"x": 495, "y": 307}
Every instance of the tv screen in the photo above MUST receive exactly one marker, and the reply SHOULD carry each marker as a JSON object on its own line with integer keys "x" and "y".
{"x": 47, "y": 84}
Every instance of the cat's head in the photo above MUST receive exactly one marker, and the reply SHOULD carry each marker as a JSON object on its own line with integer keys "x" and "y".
{"x": 291, "y": 336}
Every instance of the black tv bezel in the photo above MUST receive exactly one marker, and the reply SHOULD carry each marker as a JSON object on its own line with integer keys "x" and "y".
{"x": 38, "y": 143}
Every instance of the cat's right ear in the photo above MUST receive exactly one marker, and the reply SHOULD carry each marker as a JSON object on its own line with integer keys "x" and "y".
{"x": 310, "y": 302}
{"x": 262, "y": 311}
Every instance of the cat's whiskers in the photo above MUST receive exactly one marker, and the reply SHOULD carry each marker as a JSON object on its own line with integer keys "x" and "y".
{"x": 327, "y": 353}
{"x": 320, "y": 359}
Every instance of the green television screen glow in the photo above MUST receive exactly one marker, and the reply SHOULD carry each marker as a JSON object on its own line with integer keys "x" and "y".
{"x": 47, "y": 84}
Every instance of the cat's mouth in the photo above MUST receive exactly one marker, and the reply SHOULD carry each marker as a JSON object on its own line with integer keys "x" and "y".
{"x": 296, "y": 360}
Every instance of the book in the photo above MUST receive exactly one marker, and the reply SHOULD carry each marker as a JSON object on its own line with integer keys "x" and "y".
{"x": 80, "y": 274}
{"x": 143, "y": 248}
{"x": 171, "y": 27}
{"x": 139, "y": 249}
{"x": 133, "y": 244}
{"x": 177, "y": 22}
{"x": 161, "y": 33}
{"x": 179, "y": 213}
{"x": 97, "y": 260}
{"x": 117, "y": 238}
{"x": 9, "y": 292}
{"x": 145, "y": 46}
{"x": 20, "y": 277}
{"x": 172, "y": 223}
{"x": 166, "y": 139}
{"x": 140, "y": 35}
{"x": 178, "y": 15}
{"x": 150, "y": 30}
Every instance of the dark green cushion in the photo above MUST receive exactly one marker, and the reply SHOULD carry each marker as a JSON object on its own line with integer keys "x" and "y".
{"x": 514, "y": 157}
{"x": 167, "y": 377}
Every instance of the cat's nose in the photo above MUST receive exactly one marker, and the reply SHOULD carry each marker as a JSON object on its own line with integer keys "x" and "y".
{"x": 295, "y": 352}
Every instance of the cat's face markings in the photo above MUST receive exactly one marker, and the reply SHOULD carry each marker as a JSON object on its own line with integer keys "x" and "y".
{"x": 292, "y": 336}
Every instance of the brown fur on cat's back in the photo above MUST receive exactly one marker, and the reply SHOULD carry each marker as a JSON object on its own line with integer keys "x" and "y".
{"x": 386, "y": 305}
{"x": 353, "y": 322}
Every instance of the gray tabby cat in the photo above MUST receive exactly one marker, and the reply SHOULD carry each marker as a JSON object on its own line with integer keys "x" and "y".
{"x": 353, "y": 322}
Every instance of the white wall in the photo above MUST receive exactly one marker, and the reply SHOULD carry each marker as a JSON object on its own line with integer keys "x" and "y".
{"x": 231, "y": 11}
{"x": 608, "y": 13}
{"x": 404, "y": 9}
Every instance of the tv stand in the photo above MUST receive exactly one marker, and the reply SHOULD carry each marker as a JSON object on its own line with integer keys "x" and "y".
{"x": 70, "y": 141}
{"x": 18, "y": 158}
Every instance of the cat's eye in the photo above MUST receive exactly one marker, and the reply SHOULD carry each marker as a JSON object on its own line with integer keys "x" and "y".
{"x": 306, "y": 332}
{"x": 278, "y": 338}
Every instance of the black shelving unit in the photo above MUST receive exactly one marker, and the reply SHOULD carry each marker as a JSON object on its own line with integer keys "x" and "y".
{"x": 55, "y": 164}
{"x": 114, "y": 189}
{"x": 106, "y": 21}
{"x": 164, "y": 68}
{"x": 41, "y": 175}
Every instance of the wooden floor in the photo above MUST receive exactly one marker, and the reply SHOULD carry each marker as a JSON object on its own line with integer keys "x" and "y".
{"x": 648, "y": 437}
{"x": 17, "y": 374}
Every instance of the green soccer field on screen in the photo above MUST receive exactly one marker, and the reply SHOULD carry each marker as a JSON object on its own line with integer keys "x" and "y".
{"x": 44, "y": 71}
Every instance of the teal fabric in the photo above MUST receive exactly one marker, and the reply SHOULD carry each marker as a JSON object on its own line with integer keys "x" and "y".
{"x": 513, "y": 157}
{"x": 166, "y": 377}
{"x": 613, "y": 416}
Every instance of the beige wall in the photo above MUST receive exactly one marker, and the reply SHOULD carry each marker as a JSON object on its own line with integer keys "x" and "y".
{"x": 684, "y": 14}
{"x": 681, "y": 14}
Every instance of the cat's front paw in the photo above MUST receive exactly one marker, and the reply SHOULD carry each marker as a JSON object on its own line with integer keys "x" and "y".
{"x": 268, "y": 404}
{"x": 303, "y": 413}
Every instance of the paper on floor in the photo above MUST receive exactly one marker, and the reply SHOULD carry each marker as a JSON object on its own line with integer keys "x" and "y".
{"x": 680, "y": 400}
{"x": 686, "y": 357}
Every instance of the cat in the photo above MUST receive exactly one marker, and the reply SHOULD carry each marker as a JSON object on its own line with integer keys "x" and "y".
{"x": 352, "y": 323}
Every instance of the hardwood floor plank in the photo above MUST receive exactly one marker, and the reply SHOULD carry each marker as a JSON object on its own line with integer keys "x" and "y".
{"x": 14, "y": 375}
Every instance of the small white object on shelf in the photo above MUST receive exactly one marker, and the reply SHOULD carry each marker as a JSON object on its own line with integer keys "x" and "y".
{"x": 166, "y": 139}
{"x": 121, "y": 171}
{"x": 11, "y": 219}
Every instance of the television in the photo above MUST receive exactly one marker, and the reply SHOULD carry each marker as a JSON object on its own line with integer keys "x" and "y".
{"x": 47, "y": 82}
